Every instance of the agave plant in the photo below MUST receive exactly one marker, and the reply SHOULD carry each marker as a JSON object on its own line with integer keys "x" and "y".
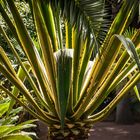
{"x": 77, "y": 64}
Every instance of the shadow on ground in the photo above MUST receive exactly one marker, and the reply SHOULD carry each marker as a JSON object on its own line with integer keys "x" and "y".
{"x": 113, "y": 131}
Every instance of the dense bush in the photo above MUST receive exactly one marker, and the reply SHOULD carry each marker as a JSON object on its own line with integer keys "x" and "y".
{"x": 28, "y": 21}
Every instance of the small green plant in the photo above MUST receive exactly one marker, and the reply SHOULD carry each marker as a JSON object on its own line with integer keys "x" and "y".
{"x": 9, "y": 129}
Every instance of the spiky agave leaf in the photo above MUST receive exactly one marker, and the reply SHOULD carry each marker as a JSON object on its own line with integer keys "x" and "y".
{"x": 64, "y": 77}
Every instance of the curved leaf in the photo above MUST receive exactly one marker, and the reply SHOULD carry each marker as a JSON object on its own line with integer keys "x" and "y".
{"x": 64, "y": 77}
{"x": 19, "y": 136}
{"x": 21, "y": 75}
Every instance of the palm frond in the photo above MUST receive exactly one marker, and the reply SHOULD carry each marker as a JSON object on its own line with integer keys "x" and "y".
{"x": 88, "y": 15}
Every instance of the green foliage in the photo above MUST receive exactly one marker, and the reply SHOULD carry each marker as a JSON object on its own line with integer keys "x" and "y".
{"x": 4, "y": 105}
{"x": 9, "y": 129}
{"x": 28, "y": 21}
{"x": 130, "y": 32}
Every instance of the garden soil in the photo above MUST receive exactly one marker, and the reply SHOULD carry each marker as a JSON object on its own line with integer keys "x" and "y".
{"x": 113, "y": 131}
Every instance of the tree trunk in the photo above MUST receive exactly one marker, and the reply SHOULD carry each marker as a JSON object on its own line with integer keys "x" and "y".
{"x": 70, "y": 132}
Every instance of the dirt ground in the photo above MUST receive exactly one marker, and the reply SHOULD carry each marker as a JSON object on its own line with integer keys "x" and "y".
{"x": 113, "y": 131}
{"x": 107, "y": 131}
